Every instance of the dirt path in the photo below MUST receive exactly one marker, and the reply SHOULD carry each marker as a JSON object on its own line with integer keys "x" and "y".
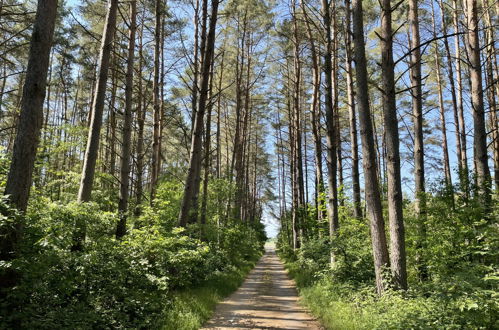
{"x": 266, "y": 300}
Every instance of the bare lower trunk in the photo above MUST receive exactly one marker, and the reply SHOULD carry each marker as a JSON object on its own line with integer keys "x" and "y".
{"x": 90, "y": 159}
{"x": 443, "y": 129}
{"x": 141, "y": 113}
{"x": 397, "y": 236}
{"x": 357, "y": 210}
{"x": 98, "y": 104}
{"x": 417, "y": 113}
{"x": 19, "y": 179}
{"x": 450, "y": 70}
{"x": 156, "y": 102}
{"x": 480, "y": 134}
{"x": 373, "y": 198}
{"x": 492, "y": 93}
{"x": 127, "y": 129}
{"x": 330, "y": 123}
{"x": 459, "y": 99}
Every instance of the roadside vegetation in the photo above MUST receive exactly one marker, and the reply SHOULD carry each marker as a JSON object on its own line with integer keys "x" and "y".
{"x": 158, "y": 276}
{"x": 458, "y": 291}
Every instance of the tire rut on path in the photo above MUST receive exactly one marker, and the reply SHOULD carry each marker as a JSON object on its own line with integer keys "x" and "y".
{"x": 267, "y": 300}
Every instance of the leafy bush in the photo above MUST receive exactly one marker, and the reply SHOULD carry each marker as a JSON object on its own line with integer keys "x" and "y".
{"x": 111, "y": 284}
{"x": 457, "y": 243}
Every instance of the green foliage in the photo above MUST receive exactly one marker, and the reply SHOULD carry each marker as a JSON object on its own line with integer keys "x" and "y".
{"x": 132, "y": 283}
{"x": 341, "y": 306}
{"x": 457, "y": 244}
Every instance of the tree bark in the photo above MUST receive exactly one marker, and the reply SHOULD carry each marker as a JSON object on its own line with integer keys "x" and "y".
{"x": 455, "y": 109}
{"x": 141, "y": 113}
{"x": 207, "y": 149}
{"x": 417, "y": 115}
{"x": 187, "y": 209}
{"x": 19, "y": 179}
{"x": 480, "y": 132}
{"x": 315, "y": 118}
{"x": 87, "y": 178}
{"x": 330, "y": 123}
{"x": 156, "y": 101}
{"x": 127, "y": 128}
{"x": 395, "y": 216}
{"x": 417, "y": 108}
{"x": 357, "y": 210}
{"x": 90, "y": 158}
{"x": 492, "y": 93}
{"x": 464, "y": 175}
{"x": 373, "y": 197}
{"x": 443, "y": 129}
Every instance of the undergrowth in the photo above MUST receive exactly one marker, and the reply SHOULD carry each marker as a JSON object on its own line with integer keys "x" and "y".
{"x": 459, "y": 250}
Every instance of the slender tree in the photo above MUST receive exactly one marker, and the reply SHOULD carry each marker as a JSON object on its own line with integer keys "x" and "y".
{"x": 459, "y": 100}
{"x": 330, "y": 121}
{"x": 395, "y": 216}
{"x": 480, "y": 132}
{"x": 441, "y": 106}
{"x": 90, "y": 158}
{"x": 357, "y": 209}
{"x": 373, "y": 196}
{"x": 127, "y": 127}
{"x": 155, "y": 160}
{"x": 141, "y": 117}
{"x": 417, "y": 115}
{"x": 188, "y": 211}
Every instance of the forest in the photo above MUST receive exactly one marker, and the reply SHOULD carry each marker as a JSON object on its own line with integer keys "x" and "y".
{"x": 150, "y": 149}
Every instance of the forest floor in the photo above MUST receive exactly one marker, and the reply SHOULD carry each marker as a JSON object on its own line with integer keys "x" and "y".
{"x": 267, "y": 300}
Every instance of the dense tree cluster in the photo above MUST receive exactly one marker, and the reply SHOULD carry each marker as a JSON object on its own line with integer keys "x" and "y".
{"x": 408, "y": 71}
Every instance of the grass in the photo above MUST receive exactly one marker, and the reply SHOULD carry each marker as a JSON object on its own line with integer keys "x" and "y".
{"x": 333, "y": 314}
{"x": 323, "y": 303}
{"x": 346, "y": 306}
{"x": 192, "y": 307}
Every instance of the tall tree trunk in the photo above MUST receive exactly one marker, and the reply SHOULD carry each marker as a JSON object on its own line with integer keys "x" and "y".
{"x": 127, "y": 128}
{"x": 417, "y": 108}
{"x": 330, "y": 123}
{"x": 455, "y": 108}
{"x": 357, "y": 210}
{"x": 219, "y": 111}
{"x": 373, "y": 198}
{"x": 395, "y": 216}
{"x": 207, "y": 149}
{"x": 156, "y": 101}
{"x": 188, "y": 211}
{"x": 417, "y": 115}
{"x": 111, "y": 148}
{"x": 480, "y": 133}
{"x": 445, "y": 148}
{"x": 19, "y": 179}
{"x": 492, "y": 93}
{"x": 297, "y": 112}
{"x": 90, "y": 159}
{"x": 141, "y": 114}
{"x": 464, "y": 175}
{"x": 195, "y": 66}
{"x": 30, "y": 120}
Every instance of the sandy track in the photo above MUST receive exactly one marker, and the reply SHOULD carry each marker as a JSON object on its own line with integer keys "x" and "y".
{"x": 267, "y": 300}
